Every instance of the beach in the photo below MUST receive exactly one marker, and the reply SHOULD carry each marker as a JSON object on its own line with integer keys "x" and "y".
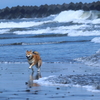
{"x": 17, "y": 82}
{"x": 69, "y": 46}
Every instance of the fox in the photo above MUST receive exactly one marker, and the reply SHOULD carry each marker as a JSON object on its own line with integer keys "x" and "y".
{"x": 34, "y": 59}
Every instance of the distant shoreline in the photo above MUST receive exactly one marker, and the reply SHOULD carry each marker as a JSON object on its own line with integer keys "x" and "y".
{"x": 45, "y": 10}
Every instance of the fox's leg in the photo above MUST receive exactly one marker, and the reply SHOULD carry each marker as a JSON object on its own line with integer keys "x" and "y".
{"x": 39, "y": 65}
{"x": 31, "y": 65}
{"x": 38, "y": 70}
{"x": 32, "y": 69}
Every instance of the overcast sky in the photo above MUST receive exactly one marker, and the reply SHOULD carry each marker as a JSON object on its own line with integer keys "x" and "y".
{"x": 11, "y": 3}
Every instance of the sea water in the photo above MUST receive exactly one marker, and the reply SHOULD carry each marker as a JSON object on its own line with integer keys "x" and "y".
{"x": 64, "y": 37}
{"x": 67, "y": 37}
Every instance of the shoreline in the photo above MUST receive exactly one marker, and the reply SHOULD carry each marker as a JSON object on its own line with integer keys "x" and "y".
{"x": 17, "y": 82}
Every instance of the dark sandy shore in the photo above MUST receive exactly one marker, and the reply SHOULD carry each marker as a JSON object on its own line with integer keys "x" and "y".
{"x": 16, "y": 82}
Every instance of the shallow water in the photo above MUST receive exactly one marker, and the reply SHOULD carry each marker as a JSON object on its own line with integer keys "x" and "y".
{"x": 20, "y": 83}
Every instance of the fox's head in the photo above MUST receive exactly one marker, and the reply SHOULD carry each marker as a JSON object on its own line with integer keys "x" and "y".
{"x": 29, "y": 54}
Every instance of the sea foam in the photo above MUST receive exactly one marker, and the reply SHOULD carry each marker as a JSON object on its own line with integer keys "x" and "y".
{"x": 73, "y": 30}
{"x": 96, "y": 40}
{"x": 20, "y": 24}
{"x": 67, "y": 16}
{"x": 78, "y": 16}
{"x": 83, "y": 81}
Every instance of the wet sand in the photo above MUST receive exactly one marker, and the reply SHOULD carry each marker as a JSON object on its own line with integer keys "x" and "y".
{"x": 17, "y": 82}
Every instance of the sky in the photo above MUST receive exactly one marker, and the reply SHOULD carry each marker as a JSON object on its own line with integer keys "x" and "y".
{"x": 12, "y": 3}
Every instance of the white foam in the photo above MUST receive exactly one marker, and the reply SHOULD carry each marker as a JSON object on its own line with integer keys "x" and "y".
{"x": 96, "y": 40}
{"x": 93, "y": 60}
{"x": 2, "y": 31}
{"x": 40, "y": 31}
{"x": 73, "y": 27}
{"x": 67, "y": 16}
{"x": 78, "y": 16}
{"x": 58, "y": 30}
{"x": 20, "y": 24}
{"x": 44, "y": 82}
{"x": 88, "y": 88}
{"x": 91, "y": 88}
{"x": 95, "y": 21}
{"x": 71, "y": 30}
{"x": 83, "y": 33}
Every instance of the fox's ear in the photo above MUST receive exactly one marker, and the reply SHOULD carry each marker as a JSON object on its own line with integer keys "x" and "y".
{"x": 27, "y": 51}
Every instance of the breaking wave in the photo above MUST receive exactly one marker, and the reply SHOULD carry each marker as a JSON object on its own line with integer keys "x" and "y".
{"x": 77, "y": 16}
{"x": 90, "y": 81}
{"x": 22, "y": 24}
{"x": 93, "y": 60}
{"x": 71, "y": 31}
{"x": 96, "y": 40}
{"x": 84, "y": 33}
{"x": 55, "y": 30}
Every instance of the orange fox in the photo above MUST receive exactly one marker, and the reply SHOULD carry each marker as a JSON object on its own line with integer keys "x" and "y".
{"x": 34, "y": 59}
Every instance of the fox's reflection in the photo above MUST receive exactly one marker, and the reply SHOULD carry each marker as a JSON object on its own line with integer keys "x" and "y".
{"x": 33, "y": 77}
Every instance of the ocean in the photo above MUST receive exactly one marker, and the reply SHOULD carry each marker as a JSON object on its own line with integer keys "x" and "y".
{"x": 65, "y": 37}
{"x": 66, "y": 42}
